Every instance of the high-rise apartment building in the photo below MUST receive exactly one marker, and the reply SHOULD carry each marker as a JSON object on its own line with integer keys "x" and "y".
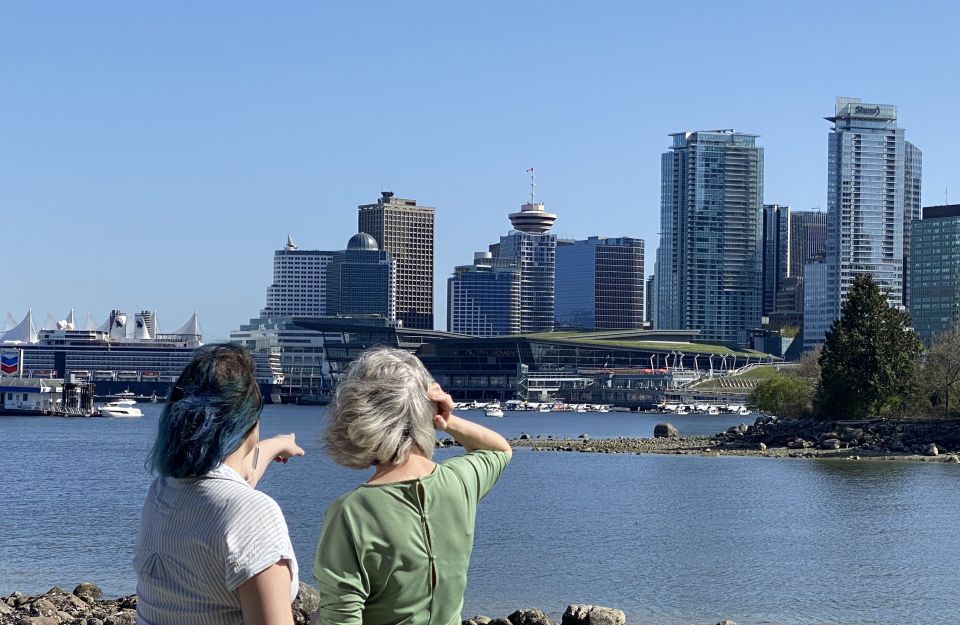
{"x": 599, "y": 283}
{"x": 710, "y": 258}
{"x": 808, "y": 239}
{"x": 299, "y": 282}
{"x": 873, "y": 195}
{"x": 483, "y": 299}
{"x": 405, "y": 230}
{"x": 935, "y": 271}
{"x": 776, "y": 252}
{"x": 650, "y": 308}
{"x": 360, "y": 280}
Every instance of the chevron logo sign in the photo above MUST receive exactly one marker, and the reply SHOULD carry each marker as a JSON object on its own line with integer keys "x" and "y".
{"x": 9, "y": 361}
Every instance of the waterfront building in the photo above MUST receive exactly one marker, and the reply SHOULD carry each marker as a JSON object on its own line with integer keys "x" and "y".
{"x": 299, "y": 282}
{"x": 625, "y": 367}
{"x": 935, "y": 271}
{"x": 710, "y": 258}
{"x": 483, "y": 299}
{"x": 599, "y": 283}
{"x": 361, "y": 280}
{"x": 405, "y": 230}
{"x": 873, "y": 195}
{"x": 776, "y": 252}
{"x": 808, "y": 239}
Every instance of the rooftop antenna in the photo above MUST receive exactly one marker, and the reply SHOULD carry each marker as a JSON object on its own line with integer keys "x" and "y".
{"x": 533, "y": 186}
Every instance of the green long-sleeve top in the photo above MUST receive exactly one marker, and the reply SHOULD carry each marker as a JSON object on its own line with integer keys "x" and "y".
{"x": 398, "y": 553}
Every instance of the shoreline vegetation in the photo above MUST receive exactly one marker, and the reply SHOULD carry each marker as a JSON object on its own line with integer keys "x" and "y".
{"x": 86, "y": 606}
{"x": 770, "y": 437}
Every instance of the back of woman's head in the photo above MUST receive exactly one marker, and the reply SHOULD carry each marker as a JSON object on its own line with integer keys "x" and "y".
{"x": 380, "y": 412}
{"x": 212, "y": 407}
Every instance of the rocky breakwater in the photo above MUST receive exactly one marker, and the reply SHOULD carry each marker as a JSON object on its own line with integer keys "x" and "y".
{"x": 878, "y": 438}
{"x": 86, "y": 606}
{"x": 773, "y": 437}
{"x": 576, "y": 614}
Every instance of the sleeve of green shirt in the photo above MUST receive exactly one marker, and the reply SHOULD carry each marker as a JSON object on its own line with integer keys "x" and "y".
{"x": 479, "y": 470}
{"x": 340, "y": 578}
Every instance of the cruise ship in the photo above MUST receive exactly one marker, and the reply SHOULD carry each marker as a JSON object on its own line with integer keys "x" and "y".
{"x": 144, "y": 363}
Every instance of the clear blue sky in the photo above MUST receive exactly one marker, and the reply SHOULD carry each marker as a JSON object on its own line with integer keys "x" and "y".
{"x": 153, "y": 155}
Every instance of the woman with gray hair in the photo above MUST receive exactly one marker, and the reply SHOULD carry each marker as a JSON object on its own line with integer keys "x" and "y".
{"x": 396, "y": 549}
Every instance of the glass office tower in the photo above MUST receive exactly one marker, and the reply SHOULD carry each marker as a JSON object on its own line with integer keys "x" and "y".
{"x": 483, "y": 299}
{"x": 599, "y": 283}
{"x": 361, "y": 280}
{"x": 935, "y": 271}
{"x": 710, "y": 261}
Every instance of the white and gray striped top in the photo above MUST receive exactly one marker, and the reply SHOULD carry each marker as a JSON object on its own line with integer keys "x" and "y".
{"x": 199, "y": 540}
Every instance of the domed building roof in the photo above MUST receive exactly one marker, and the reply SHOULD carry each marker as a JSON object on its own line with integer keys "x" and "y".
{"x": 364, "y": 242}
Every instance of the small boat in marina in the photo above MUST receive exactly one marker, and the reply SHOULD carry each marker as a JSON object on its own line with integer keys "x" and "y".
{"x": 494, "y": 410}
{"x": 120, "y": 409}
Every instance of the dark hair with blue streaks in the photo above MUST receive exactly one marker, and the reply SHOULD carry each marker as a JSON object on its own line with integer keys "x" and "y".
{"x": 211, "y": 409}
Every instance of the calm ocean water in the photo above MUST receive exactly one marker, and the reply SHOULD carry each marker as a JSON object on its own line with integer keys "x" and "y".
{"x": 668, "y": 539}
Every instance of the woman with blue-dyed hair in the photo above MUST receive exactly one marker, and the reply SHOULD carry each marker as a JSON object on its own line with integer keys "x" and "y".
{"x": 211, "y": 549}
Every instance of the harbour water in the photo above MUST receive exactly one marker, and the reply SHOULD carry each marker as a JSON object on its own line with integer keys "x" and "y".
{"x": 668, "y": 539}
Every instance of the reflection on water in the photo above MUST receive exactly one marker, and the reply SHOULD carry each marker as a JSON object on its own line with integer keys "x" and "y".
{"x": 668, "y": 539}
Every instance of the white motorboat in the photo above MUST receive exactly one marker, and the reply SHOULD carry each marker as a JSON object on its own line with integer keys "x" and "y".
{"x": 493, "y": 409}
{"x": 544, "y": 407}
{"x": 120, "y": 409}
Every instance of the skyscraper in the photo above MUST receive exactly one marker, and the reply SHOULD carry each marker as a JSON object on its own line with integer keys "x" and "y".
{"x": 360, "y": 280}
{"x": 533, "y": 249}
{"x": 511, "y": 288}
{"x": 710, "y": 260}
{"x": 299, "y": 282}
{"x": 935, "y": 271}
{"x": 405, "y": 230}
{"x": 599, "y": 283}
{"x": 776, "y": 252}
{"x": 808, "y": 239}
{"x": 483, "y": 299}
{"x": 873, "y": 195}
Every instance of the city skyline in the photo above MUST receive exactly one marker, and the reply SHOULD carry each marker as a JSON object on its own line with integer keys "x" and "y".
{"x": 140, "y": 126}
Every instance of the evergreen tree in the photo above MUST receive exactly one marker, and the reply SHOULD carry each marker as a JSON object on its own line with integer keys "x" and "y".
{"x": 868, "y": 358}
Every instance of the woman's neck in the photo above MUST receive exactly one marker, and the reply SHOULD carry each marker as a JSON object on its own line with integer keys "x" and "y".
{"x": 414, "y": 467}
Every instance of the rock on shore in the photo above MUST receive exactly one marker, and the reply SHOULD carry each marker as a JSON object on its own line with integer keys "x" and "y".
{"x": 84, "y": 606}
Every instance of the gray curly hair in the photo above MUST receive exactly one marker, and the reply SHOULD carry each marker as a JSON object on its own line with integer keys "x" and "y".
{"x": 380, "y": 411}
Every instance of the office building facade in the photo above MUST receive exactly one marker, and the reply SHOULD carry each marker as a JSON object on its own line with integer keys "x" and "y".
{"x": 776, "y": 252}
{"x": 483, "y": 299}
{"x": 710, "y": 258}
{"x": 405, "y": 230}
{"x": 361, "y": 280}
{"x": 808, "y": 239}
{"x": 935, "y": 271}
{"x": 299, "y": 282}
{"x": 599, "y": 283}
{"x": 873, "y": 196}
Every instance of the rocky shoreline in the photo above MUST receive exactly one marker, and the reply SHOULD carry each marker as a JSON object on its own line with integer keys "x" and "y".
{"x": 86, "y": 606}
{"x": 925, "y": 441}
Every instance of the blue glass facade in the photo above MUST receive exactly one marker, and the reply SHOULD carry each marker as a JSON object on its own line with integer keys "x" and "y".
{"x": 361, "y": 282}
{"x": 935, "y": 271}
{"x": 483, "y": 299}
{"x": 599, "y": 284}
